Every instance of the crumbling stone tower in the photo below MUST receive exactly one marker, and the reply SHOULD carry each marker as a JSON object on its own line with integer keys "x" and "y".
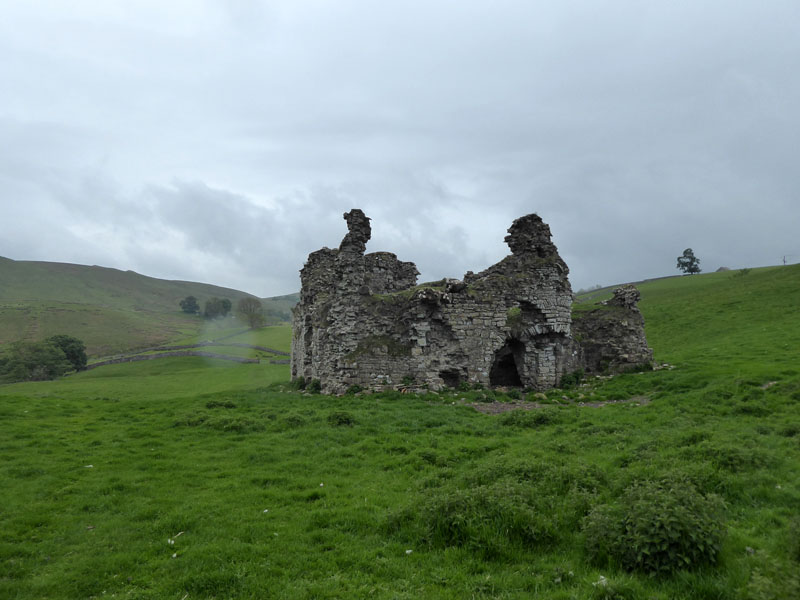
{"x": 362, "y": 320}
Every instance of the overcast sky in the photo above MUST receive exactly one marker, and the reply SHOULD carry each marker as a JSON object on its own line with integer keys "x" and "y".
{"x": 221, "y": 141}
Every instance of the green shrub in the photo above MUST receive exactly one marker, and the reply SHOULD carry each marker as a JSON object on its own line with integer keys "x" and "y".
{"x": 571, "y": 379}
{"x": 489, "y": 520}
{"x": 488, "y": 396}
{"x": 752, "y": 409}
{"x": 657, "y": 527}
{"x": 529, "y": 418}
{"x": 193, "y": 419}
{"x": 33, "y": 361}
{"x": 315, "y": 387}
{"x": 513, "y": 394}
{"x": 429, "y": 456}
{"x": 341, "y": 418}
{"x": 354, "y": 389}
{"x": 790, "y": 430}
{"x": 220, "y": 404}
{"x": 73, "y": 348}
{"x": 235, "y": 424}
{"x": 514, "y": 317}
{"x": 733, "y": 458}
{"x": 292, "y": 421}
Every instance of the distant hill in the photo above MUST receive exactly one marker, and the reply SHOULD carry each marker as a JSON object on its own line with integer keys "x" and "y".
{"x": 111, "y": 310}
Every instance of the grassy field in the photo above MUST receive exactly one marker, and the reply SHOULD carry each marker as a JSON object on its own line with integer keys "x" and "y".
{"x": 112, "y": 311}
{"x": 192, "y": 478}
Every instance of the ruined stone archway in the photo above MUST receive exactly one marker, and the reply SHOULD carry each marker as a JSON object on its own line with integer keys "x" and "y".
{"x": 505, "y": 368}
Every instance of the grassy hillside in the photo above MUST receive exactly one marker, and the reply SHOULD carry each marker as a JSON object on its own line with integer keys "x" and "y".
{"x": 192, "y": 478}
{"x": 112, "y": 311}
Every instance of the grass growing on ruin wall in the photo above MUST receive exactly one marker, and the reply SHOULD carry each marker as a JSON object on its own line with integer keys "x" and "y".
{"x": 187, "y": 478}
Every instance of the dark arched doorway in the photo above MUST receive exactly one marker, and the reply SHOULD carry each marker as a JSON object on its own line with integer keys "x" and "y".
{"x": 504, "y": 370}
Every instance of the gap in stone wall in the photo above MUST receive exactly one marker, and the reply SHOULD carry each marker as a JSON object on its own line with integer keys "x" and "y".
{"x": 504, "y": 370}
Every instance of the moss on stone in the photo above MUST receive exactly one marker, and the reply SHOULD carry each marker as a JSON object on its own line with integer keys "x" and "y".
{"x": 514, "y": 317}
{"x": 370, "y": 344}
{"x": 407, "y": 294}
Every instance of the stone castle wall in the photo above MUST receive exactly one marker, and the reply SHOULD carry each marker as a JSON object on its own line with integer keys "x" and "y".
{"x": 362, "y": 320}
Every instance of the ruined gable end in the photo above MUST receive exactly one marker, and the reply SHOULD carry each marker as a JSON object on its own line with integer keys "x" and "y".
{"x": 611, "y": 334}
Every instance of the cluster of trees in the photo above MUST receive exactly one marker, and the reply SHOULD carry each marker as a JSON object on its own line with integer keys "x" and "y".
{"x": 189, "y": 305}
{"x": 214, "y": 307}
{"x": 38, "y": 361}
{"x": 247, "y": 309}
{"x": 217, "y": 307}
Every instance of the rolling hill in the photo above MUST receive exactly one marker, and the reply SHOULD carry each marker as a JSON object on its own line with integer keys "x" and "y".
{"x": 111, "y": 310}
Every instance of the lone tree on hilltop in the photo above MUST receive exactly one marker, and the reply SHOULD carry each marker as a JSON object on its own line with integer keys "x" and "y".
{"x": 250, "y": 310}
{"x": 688, "y": 262}
{"x": 189, "y": 305}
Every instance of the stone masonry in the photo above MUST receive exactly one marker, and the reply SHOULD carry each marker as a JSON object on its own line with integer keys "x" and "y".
{"x": 362, "y": 320}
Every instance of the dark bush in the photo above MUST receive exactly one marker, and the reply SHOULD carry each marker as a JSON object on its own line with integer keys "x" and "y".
{"x": 657, "y": 527}
{"x": 513, "y": 394}
{"x": 490, "y": 520}
{"x": 529, "y": 418}
{"x": 735, "y": 459}
{"x": 790, "y": 430}
{"x": 220, "y": 404}
{"x": 73, "y": 348}
{"x": 571, "y": 379}
{"x": 341, "y": 418}
{"x": 292, "y": 422}
{"x": 315, "y": 387}
{"x": 33, "y": 361}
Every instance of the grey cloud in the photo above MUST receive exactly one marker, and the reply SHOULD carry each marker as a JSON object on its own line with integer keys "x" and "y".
{"x": 224, "y": 140}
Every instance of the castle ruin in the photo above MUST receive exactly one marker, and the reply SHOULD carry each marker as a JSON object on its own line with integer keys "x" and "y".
{"x": 362, "y": 320}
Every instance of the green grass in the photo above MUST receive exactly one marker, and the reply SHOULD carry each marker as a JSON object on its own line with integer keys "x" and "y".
{"x": 488, "y": 506}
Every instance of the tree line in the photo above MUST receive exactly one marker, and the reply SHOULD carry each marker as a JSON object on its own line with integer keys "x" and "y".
{"x": 39, "y": 361}
{"x": 248, "y": 309}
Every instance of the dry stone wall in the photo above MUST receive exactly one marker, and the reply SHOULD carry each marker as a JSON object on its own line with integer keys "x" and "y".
{"x": 362, "y": 320}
